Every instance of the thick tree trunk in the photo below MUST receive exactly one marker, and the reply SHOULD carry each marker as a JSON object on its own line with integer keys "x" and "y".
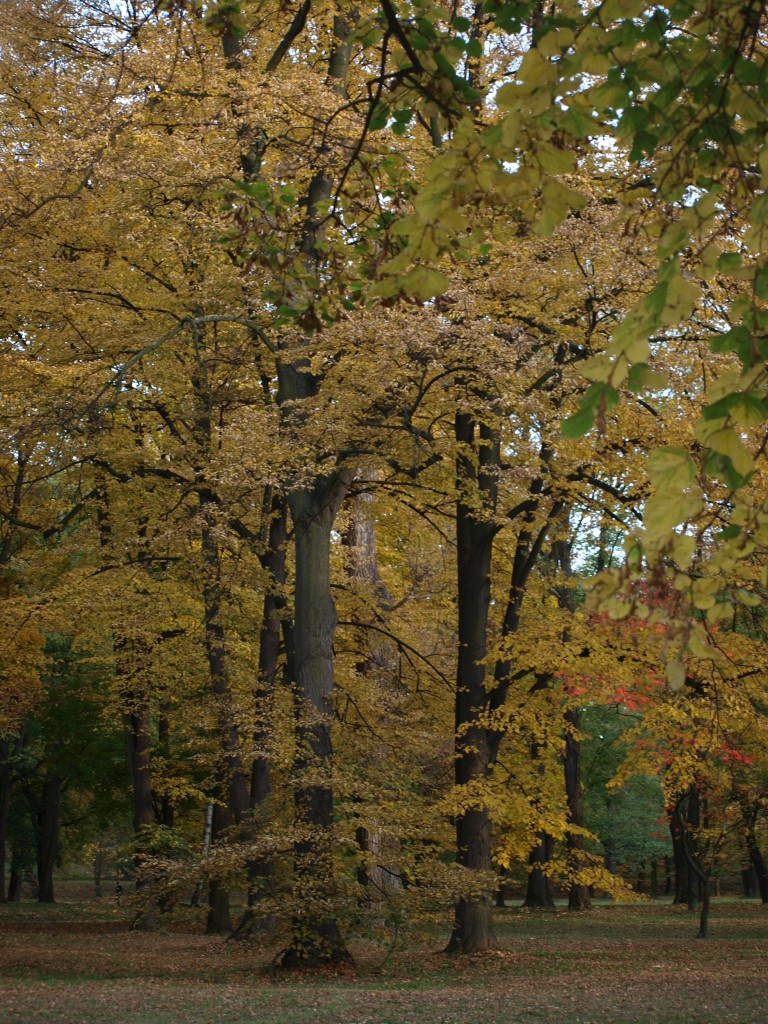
{"x": 219, "y": 921}
{"x": 539, "y": 894}
{"x": 47, "y": 836}
{"x": 316, "y": 937}
{"x": 15, "y": 883}
{"x": 692, "y": 823}
{"x": 761, "y": 872}
{"x": 689, "y": 815}
{"x": 474, "y": 746}
{"x": 756, "y": 875}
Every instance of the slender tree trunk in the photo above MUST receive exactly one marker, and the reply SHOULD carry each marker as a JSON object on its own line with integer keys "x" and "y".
{"x": 98, "y": 872}
{"x": 375, "y": 661}
{"x": 231, "y": 792}
{"x": 136, "y": 720}
{"x": 261, "y": 870}
{"x": 578, "y": 893}
{"x": 164, "y": 738}
{"x": 197, "y": 894}
{"x": 5, "y": 808}
{"x": 136, "y": 727}
{"x": 680, "y": 863}
{"x": 654, "y": 879}
{"x": 688, "y": 813}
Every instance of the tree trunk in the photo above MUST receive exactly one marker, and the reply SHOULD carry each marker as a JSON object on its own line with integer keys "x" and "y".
{"x": 136, "y": 727}
{"x": 761, "y": 872}
{"x": 680, "y": 863}
{"x": 474, "y": 750}
{"x": 231, "y": 792}
{"x": 219, "y": 920}
{"x": 688, "y": 814}
{"x": 164, "y": 738}
{"x": 136, "y": 719}
{"x": 654, "y": 879}
{"x": 261, "y": 870}
{"x": 692, "y": 823}
{"x": 578, "y": 893}
{"x": 98, "y": 872}
{"x": 539, "y": 894}
{"x": 47, "y": 829}
{"x": 15, "y": 883}
{"x": 757, "y": 867}
{"x": 375, "y": 660}
{"x": 5, "y": 809}
{"x": 316, "y": 937}
{"x": 197, "y": 894}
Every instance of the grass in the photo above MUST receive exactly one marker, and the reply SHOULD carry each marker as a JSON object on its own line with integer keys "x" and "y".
{"x": 77, "y": 962}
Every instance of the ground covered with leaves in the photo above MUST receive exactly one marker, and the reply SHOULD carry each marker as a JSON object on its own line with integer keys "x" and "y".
{"x": 77, "y": 962}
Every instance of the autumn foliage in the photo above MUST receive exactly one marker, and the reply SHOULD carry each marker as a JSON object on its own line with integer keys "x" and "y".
{"x": 383, "y": 429}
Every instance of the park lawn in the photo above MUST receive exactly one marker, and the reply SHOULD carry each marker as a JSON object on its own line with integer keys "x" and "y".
{"x": 78, "y": 963}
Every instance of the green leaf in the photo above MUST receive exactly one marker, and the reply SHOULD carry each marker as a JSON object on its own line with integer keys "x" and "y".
{"x": 731, "y": 340}
{"x": 579, "y": 424}
{"x": 643, "y": 378}
{"x": 379, "y": 118}
{"x": 674, "y": 238}
{"x": 729, "y": 261}
{"x": 579, "y": 123}
{"x": 682, "y": 296}
{"x": 726, "y": 442}
{"x": 554, "y": 160}
{"x": 424, "y": 283}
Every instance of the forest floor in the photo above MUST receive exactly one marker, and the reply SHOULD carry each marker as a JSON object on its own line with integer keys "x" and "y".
{"x": 76, "y": 962}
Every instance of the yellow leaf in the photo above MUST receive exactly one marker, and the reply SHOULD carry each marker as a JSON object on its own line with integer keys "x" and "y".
{"x": 675, "y": 675}
{"x": 671, "y": 467}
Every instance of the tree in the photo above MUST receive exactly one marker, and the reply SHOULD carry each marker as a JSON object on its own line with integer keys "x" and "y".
{"x": 350, "y": 244}
{"x": 692, "y": 126}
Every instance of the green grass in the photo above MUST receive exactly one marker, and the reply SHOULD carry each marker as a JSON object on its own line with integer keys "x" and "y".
{"x": 78, "y": 963}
